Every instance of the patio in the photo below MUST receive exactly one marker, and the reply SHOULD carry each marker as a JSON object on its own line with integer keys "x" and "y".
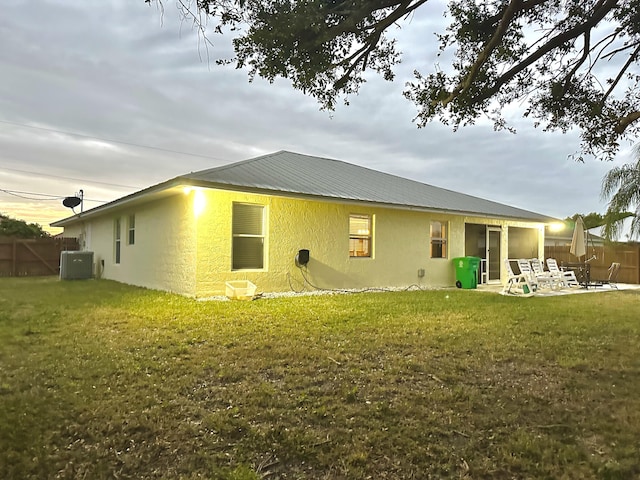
{"x": 547, "y": 292}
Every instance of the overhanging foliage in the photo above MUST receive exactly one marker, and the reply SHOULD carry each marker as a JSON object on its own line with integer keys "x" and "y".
{"x": 570, "y": 63}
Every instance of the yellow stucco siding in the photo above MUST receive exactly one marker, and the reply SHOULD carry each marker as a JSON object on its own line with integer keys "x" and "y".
{"x": 163, "y": 255}
{"x": 183, "y": 243}
{"x": 400, "y": 245}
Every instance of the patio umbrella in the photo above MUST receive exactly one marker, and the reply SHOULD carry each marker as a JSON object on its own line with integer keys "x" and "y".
{"x": 578, "y": 245}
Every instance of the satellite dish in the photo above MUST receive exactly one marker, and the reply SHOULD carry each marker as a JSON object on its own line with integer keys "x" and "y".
{"x": 71, "y": 202}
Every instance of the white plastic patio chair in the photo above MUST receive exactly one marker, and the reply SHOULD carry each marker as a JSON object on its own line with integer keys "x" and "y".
{"x": 545, "y": 278}
{"x": 538, "y": 281}
{"x": 517, "y": 284}
{"x": 567, "y": 276}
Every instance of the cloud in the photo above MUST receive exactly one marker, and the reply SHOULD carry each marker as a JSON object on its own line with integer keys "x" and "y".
{"x": 88, "y": 88}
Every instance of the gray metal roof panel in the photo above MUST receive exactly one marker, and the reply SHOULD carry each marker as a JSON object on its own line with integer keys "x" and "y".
{"x": 296, "y": 173}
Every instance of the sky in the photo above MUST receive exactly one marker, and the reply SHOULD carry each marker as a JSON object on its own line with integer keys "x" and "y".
{"x": 114, "y": 96}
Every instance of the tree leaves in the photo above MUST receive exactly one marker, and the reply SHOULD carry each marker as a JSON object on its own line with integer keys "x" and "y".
{"x": 10, "y": 227}
{"x": 571, "y": 63}
{"x": 622, "y": 186}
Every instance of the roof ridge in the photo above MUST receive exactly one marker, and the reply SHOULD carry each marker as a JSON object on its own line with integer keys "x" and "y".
{"x": 373, "y": 171}
{"x": 226, "y": 166}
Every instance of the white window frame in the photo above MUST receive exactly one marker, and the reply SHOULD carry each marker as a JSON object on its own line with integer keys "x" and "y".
{"x": 131, "y": 229}
{"x": 439, "y": 242}
{"x": 365, "y": 237}
{"x": 117, "y": 241}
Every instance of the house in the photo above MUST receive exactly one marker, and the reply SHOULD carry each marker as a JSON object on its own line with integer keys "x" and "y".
{"x": 255, "y": 219}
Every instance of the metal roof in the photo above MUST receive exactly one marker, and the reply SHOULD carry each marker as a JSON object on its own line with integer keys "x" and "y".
{"x": 295, "y": 174}
{"x": 306, "y": 175}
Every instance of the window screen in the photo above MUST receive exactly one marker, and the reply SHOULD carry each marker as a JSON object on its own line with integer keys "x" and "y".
{"x": 132, "y": 230}
{"x": 116, "y": 242}
{"x": 248, "y": 236}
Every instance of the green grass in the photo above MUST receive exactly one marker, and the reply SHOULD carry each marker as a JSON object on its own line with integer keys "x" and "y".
{"x": 100, "y": 380}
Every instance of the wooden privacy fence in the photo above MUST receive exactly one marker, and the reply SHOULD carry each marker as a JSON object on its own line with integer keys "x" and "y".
{"x": 21, "y": 257}
{"x": 628, "y": 255}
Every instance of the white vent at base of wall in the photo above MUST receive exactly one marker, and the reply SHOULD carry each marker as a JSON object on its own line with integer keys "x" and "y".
{"x": 76, "y": 265}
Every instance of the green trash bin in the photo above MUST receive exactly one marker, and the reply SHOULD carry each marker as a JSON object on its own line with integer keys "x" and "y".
{"x": 467, "y": 271}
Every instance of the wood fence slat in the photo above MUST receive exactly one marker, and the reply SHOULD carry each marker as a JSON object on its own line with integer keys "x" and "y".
{"x": 628, "y": 255}
{"x": 47, "y": 264}
{"x": 42, "y": 255}
{"x": 14, "y": 258}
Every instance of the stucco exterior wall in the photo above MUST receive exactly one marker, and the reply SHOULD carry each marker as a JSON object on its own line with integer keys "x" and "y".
{"x": 401, "y": 245}
{"x": 163, "y": 255}
{"x": 183, "y": 244}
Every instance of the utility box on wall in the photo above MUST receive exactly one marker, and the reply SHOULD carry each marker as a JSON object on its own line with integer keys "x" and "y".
{"x": 76, "y": 265}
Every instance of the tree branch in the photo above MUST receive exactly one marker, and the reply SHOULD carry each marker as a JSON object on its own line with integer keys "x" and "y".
{"x": 598, "y": 14}
{"x": 352, "y": 17}
{"x": 507, "y": 16}
{"x": 585, "y": 55}
{"x": 621, "y": 49}
{"x": 606, "y": 41}
{"x": 632, "y": 58}
{"x": 526, "y": 6}
{"x": 362, "y": 54}
{"x": 625, "y": 121}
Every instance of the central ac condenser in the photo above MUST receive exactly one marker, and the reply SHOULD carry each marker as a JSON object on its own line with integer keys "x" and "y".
{"x": 76, "y": 265}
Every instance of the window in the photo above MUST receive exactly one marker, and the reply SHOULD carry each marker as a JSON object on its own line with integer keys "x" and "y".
{"x": 360, "y": 237}
{"x": 132, "y": 230}
{"x": 438, "y": 236}
{"x": 248, "y": 236}
{"x": 116, "y": 242}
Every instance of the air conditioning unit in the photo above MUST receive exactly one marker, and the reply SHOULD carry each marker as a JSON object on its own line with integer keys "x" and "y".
{"x": 76, "y": 265}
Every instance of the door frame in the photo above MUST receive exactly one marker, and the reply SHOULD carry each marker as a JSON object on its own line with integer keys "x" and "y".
{"x": 493, "y": 279}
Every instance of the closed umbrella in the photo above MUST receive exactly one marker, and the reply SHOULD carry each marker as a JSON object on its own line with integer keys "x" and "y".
{"x": 578, "y": 245}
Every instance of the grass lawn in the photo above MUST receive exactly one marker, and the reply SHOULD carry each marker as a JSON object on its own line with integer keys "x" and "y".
{"x": 100, "y": 380}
